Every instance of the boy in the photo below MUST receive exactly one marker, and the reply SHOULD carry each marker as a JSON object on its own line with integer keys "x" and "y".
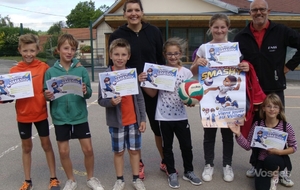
{"x": 69, "y": 113}
{"x": 126, "y": 118}
{"x": 33, "y": 110}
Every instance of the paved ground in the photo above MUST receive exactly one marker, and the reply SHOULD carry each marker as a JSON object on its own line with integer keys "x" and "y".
{"x": 11, "y": 175}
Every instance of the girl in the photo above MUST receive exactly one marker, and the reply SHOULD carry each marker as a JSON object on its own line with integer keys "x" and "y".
{"x": 146, "y": 46}
{"x": 69, "y": 113}
{"x": 218, "y": 27}
{"x": 173, "y": 119}
{"x": 271, "y": 160}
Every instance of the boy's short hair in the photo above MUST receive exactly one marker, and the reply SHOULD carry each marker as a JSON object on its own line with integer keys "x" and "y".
{"x": 29, "y": 39}
{"x": 67, "y": 37}
{"x": 120, "y": 42}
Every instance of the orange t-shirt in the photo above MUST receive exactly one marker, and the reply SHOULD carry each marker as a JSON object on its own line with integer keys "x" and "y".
{"x": 32, "y": 109}
{"x": 128, "y": 111}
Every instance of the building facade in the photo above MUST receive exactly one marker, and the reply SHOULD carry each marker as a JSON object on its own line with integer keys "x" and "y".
{"x": 189, "y": 19}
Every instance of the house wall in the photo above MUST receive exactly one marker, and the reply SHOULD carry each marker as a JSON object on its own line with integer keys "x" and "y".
{"x": 158, "y": 7}
{"x": 178, "y": 6}
{"x": 167, "y": 7}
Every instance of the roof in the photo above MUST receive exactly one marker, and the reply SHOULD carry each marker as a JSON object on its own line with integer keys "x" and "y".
{"x": 283, "y": 6}
{"x": 43, "y": 39}
{"x": 80, "y": 33}
{"x": 287, "y": 10}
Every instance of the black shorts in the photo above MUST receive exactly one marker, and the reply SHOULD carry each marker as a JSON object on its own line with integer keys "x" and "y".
{"x": 151, "y": 109}
{"x": 25, "y": 129}
{"x": 67, "y": 132}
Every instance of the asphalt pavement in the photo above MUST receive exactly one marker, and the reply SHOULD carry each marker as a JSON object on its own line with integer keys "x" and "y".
{"x": 11, "y": 175}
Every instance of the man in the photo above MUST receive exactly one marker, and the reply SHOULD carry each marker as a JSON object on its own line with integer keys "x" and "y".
{"x": 264, "y": 44}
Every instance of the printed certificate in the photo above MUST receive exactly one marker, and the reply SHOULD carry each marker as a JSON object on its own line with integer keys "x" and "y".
{"x": 224, "y": 100}
{"x": 121, "y": 82}
{"x": 16, "y": 86}
{"x": 66, "y": 84}
{"x": 222, "y": 54}
{"x": 266, "y": 138}
{"x": 160, "y": 77}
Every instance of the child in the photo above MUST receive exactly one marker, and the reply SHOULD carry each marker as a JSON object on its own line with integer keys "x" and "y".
{"x": 126, "y": 118}
{"x": 271, "y": 160}
{"x": 33, "y": 110}
{"x": 218, "y": 27}
{"x": 171, "y": 114}
{"x": 69, "y": 113}
{"x": 228, "y": 85}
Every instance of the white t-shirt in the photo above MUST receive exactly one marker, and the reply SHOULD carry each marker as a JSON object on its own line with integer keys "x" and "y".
{"x": 201, "y": 50}
{"x": 224, "y": 89}
{"x": 169, "y": 106}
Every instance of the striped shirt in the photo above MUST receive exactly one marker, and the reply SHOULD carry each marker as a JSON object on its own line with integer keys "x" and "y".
{"x": 291, "y": 140}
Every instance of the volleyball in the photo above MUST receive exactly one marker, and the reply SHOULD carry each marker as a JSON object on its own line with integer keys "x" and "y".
{"x": 190, "y": 92}
{"x": 208, "y": 81}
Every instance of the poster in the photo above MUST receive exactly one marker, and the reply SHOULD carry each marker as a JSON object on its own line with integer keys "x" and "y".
{"x": 266, "y": 138}
{"x": 63, "y": 85}
{"x": 120, "y": 82}
{"x": 222, "y": 54}
{"x": 160, "y": 77}
{"x": 224, "y": 100}
{"x": 16, "y": 86}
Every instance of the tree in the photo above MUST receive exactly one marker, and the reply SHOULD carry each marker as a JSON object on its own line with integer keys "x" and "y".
{"x": 104, "y": 8}
{"x": 81, "y": 15}
{"x": 56, "y": 28}
{"x": 5, "y": 21}
{"x": 9, "y": 37}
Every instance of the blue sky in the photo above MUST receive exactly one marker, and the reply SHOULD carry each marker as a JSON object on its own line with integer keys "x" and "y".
{"x": 29, "y": 12}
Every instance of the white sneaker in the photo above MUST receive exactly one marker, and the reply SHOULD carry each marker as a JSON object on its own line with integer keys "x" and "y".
{"x": 228, "y": 173}
{"x": 138, "y": 184}
{"x": 251, "y": 172}
{"x": 119, "y": 185}
{"x": 94, "y": 184}
{"x": 70, "y": 185}
{"x": 274, "y": 182}
{"x": 285, "y": 179}
{"x": 207, "y": 173}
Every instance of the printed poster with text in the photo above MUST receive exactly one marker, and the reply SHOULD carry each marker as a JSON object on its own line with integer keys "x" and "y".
{"x": 266, "y": 138}
{"x": 16, "y": 86}
{"x": 224, "y": 100}
{"x": 63, "y": 85}
{"x": 120, "y": 82}
{"x": 222, "y": 54}
{"x": 160, "y": 77}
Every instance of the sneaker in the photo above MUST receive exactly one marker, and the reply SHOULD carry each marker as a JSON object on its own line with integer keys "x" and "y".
{"x": 190, "y": 176}
{"x": 26, "y": 186}
{"x": 163, "y": 167}
{"x": 142, "y": 171}
{"x": 70, "y": 185}
{"x": 285, "y": 179}
{"x": 228, "y": 173}
{"x": 274, "y": 182}
{"x": 54, "y": 185}
{"x": 173, "y": 181}
{"x": 207, "y": 172}
{"x": 251, "y": 172}
{"x": 119, "y": 185}
{"x": 94, "y": 184}
{"x": 138, "y": 184}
